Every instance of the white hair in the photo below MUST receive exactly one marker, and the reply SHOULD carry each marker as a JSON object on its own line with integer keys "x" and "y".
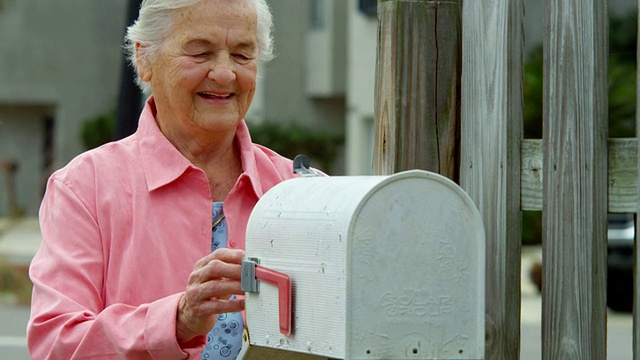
{"x": 154, "y": 23}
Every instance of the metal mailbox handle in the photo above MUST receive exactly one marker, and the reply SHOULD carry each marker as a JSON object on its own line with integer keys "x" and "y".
{"x": 252, "y": 273}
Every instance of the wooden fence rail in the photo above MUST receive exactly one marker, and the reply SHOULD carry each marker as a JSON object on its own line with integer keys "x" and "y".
{"x": 622, "y": 170}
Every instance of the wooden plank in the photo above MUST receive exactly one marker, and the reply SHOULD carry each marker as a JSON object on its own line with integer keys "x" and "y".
{"x": 417, "y": 122}
{"x": 575, "y": 180}
{"x": 622, "y": 181}
{"x": 490, "y": 167}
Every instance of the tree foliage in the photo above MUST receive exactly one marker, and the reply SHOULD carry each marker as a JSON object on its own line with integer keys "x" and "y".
{"x": 622, "y": 81}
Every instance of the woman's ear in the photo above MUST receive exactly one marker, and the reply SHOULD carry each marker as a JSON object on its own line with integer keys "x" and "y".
{"x": 142, "y": 63}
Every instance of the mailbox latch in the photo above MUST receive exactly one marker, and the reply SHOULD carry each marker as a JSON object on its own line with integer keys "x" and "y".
{"x": 252, "y": 274}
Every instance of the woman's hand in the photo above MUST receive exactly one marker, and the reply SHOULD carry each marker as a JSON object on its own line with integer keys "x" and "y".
{"x": 211, "y": 283}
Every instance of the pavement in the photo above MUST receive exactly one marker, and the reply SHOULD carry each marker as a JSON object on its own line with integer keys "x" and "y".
{"x": 19, "y": 240}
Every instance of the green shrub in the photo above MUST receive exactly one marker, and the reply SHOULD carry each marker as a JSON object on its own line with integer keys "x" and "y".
{"x": 15, "y": 282}
{"x": 98, "y": 130}
{"x": 291, "y": 139}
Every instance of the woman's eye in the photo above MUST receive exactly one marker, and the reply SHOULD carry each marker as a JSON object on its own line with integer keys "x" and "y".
{"x": 200, "y": 55}
{"x": 241, "y": 57}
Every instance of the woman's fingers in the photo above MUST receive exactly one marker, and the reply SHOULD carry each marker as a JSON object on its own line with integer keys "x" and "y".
{"x": 209, "y": 307}
{"x": 214, "y": 279}
{"x": 221, "y": 289}
{"x": 217, "y": 269}
{"x": 229, "y": 256}
{"x": 217, "y": 275}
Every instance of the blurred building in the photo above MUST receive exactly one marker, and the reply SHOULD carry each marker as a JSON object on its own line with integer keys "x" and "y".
{"x": 59, "y": 65}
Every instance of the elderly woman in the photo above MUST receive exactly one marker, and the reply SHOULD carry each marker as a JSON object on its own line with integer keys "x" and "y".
{"x": 124, "y": 224}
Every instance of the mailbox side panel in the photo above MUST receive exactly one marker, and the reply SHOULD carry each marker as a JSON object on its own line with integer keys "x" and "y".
{"x": 416, "y": 265}
{"x": 300, "y": 228}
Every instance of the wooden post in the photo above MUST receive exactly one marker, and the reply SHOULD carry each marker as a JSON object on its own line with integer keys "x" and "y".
{"x": 417, "y": 87}
{"x": 492, "y": 68}
{"x": 575, "y": 180}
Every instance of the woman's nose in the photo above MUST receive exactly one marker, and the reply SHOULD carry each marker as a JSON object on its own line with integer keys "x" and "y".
{"x": 222, "y": 72}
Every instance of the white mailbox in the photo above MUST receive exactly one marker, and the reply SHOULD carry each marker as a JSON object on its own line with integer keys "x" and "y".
{"x": 381, "y": 267}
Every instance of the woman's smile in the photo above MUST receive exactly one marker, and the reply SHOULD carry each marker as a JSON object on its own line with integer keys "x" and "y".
{"x": 216, "y": 97}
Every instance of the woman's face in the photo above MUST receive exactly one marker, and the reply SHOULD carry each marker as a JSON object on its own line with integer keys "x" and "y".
{"x": 204, "y": 76}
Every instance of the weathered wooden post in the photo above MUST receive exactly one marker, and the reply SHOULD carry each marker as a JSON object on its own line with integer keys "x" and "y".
{"x": 417, "y": 87}
{"x": 492, "y": 67}
{"x": 575, "y": 180}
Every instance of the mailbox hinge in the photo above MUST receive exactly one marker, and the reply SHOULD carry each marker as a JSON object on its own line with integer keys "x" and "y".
{"x": 301, "y": 165}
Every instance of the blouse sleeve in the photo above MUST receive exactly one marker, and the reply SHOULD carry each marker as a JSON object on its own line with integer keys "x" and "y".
{"x": 69, "y": 319}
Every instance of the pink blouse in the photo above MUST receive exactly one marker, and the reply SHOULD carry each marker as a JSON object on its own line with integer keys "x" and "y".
{"x": 122, "y": 227}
